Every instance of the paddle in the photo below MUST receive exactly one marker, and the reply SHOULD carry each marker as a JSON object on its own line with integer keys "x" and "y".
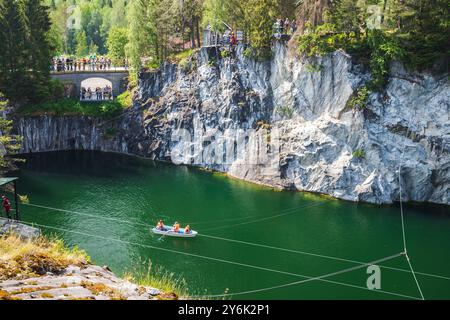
{"x": 164, "y": 234}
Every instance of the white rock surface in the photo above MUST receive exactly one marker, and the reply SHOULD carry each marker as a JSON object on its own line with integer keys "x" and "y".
{"x": 409, "y": 123}
{"x": 90, "y": 282}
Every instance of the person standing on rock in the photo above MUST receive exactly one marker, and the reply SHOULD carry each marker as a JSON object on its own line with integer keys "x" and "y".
{"x": 6, "y": 206}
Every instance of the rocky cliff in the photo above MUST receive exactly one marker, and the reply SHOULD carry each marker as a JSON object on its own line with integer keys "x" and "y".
{"x": 285, "y": 122}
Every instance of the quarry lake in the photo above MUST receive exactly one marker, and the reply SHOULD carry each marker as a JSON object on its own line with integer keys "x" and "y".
{"x": 253, "y": 243}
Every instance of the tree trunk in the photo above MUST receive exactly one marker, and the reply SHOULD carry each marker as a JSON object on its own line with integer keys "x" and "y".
{"x": 384, "y": 11}
{"x": 192, "y": 33}
{"x": 198, "y": 31}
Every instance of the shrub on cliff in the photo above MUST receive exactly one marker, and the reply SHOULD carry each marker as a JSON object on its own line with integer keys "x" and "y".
{"x": 74, "y": 107}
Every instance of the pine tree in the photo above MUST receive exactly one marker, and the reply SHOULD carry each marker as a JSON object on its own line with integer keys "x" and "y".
{"x": 25, "y": 52}
{"x": 13, "y": 31}
{"x": 82, "y": 49}
{"x": 9, "y": 144}
{"x": 38, "y": 49}
{"x": 260, "y": 16}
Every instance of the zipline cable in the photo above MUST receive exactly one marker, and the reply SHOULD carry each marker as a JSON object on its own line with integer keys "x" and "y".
{"x": 244, "y": 218}
{"x": 246, "y": 242}
{"x": 309, "y": 279}
{"x": 401, "y": 209}
{"x": 223, "y": 260}
{"x": 139, "y": 223}
{"x": 262, "y": 219}
{"x": 86, "y": 214}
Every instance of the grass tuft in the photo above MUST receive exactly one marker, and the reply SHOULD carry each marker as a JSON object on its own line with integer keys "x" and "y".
{"x": 21, "y": 259}
{"x": 157, "y": 277}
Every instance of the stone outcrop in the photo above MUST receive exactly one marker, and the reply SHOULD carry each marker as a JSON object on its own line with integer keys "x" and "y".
{"x": 317, "y": 143}
{"x": 23, "y": 230}
{"x": 79, "y": 283}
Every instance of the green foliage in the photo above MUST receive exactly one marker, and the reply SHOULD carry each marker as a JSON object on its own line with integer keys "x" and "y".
{"x": 313, "y": 67}
{"x": 384, "y": 49}
{"x": 9, "y": 143}
{"x": 260, "y": 16}
{"x": 125, "y": 99}
{"x": 25, "y": 50}
{"x": 158, "y": 29}
{"x": 147, "y": 274}
{"x": 74, "y": 107}
{"x": 82, "y": 49}
{"x": 412, "y": 31}
{"x": 216, "y": 12}
{"x": 212, "y": 62}
{"x": 325, "y": 38}
{"x": 359, "y": 154}
{"x": 93, "y": 18}
{"x": 179, "y": 57}
{"x": 152, "y": 64}
{"x": 116, "y": 42}
{"x": 248, "y": 52}
{"x": 225, "y": 54}
{"x": 359, "y": 100}
{"x": 285, "y": 111}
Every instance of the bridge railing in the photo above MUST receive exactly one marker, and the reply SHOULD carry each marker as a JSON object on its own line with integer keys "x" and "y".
{"x": 88, "y": 70}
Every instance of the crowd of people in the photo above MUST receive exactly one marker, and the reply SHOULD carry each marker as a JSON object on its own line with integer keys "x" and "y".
{"x": 91, "y": 63}
{"x": 284, "y": 27}
{"x": 175, "y": 228}
{"x": 230, "y": 38}
{"x": 96, "y": 94}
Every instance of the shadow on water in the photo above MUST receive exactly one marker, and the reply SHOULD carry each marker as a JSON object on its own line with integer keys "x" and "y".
{"x": 93, "y": 163}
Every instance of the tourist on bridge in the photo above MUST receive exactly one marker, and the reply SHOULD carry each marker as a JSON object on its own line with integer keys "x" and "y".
{"x": 6, "y": 206}
{"x": 98, "y": 93}
{"x": 88, "y": 93}
{"x": 83, "y": 93}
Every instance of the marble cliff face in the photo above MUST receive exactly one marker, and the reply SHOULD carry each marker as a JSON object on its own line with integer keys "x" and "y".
{"x": 300, "y": 116}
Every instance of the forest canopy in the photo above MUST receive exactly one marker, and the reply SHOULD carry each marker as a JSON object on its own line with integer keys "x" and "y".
{"x": 146, "y": 32}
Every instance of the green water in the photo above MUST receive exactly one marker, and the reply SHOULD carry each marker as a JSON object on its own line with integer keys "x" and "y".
{"x": 113, "y": 189}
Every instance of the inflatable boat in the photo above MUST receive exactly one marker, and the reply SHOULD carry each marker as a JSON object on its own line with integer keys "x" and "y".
{"x": 170, "y": 233}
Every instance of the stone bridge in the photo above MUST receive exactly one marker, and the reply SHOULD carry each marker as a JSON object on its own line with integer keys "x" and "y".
{"x": 117, "y": 77}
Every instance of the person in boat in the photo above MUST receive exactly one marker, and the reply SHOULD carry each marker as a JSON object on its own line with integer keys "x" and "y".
{"x": 176, "y": 227}
{"x": 160, "y": 225}
{"x": 187, "y": 229}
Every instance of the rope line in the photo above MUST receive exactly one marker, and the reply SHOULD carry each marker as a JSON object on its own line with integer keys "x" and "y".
{"x": 317, "y": 255}
{"x": 244, "y": 218}
{"x": 401, "y": 211}
{"x": 86, "y": 214}
{"x": 309, "y": 279}
{"x": 415, "y": 278}
{"x": 262, "y": 219}
{"x": 138, "y": 223}
{"x": 248, "y": 243}
{"x": 320, "y": 278}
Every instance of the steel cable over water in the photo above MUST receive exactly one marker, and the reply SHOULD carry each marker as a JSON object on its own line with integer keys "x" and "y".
{"x": 319, "y": 278}
{"x": 246, "y": 242}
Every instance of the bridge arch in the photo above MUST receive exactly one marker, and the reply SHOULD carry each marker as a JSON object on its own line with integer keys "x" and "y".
{"x": 89, "y": 86}
{"x": 116, "y": 78}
